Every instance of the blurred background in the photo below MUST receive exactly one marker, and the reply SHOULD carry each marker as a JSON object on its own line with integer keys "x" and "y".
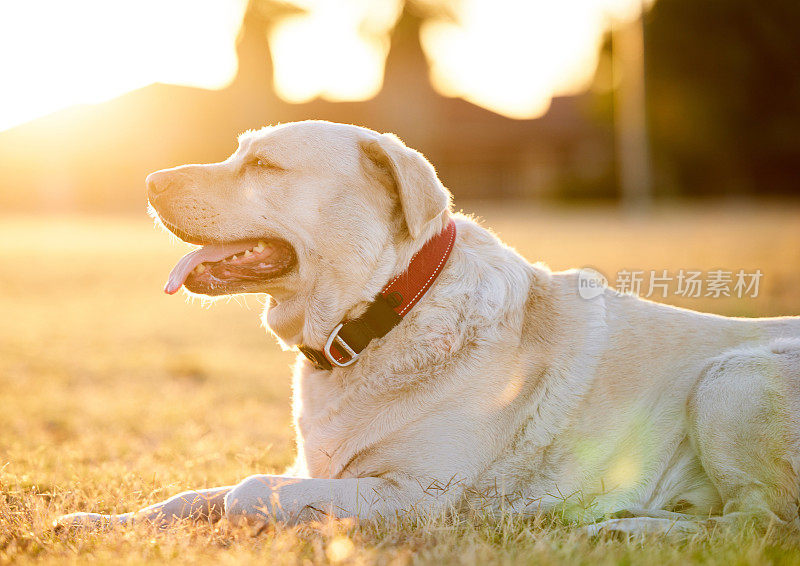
{"x": 616, "y": 100}
{"x": 615, "y": 134}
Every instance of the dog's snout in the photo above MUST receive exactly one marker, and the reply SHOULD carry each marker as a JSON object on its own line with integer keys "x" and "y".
{"x": 159, "y": 182}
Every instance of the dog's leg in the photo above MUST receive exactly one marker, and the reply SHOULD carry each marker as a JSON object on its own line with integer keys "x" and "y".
{"x": 291, "y": 500}
{"x": 643, "y": 526}
{"x": 745, "y": 424}
{"x": 633, "y": 512}
{"x": 204, "y": 504}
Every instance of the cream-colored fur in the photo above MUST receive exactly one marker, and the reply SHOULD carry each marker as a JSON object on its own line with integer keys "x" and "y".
{"x": 502, "y": 389}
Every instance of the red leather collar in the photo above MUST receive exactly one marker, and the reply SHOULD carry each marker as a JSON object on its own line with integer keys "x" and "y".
{"x": 388, "y": 308}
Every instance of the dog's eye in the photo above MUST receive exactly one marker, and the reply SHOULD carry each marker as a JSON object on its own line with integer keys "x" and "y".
{"x": 265, "y": 164}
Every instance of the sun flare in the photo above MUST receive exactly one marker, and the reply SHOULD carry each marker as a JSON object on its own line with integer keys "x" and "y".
{"x": 335, "y": 50}
{"x": 57, "y": 54}
{"x": 510, "y": 56}
{"x": 513, "y": 56}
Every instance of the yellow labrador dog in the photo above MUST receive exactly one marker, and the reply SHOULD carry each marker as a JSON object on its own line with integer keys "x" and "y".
{"x": 499, "y": 387}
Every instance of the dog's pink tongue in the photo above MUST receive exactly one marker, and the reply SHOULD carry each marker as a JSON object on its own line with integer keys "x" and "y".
{"x": 191, "y": 260}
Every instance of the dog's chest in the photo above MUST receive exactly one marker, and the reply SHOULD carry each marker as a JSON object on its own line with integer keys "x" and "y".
{"x": 331, "y": 422}
{"x": 368, "y": 430}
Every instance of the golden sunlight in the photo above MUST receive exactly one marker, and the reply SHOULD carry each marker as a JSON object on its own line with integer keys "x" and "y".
{"x": 624, "y": 473}
{"x": 57, "y": 54}
{"x": 335, "y": 50}
{"x": 339, "y": 549}
{"x": 512, "y": 57}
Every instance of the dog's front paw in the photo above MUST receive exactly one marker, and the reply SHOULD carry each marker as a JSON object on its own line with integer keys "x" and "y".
{"x": 641, "y": 526}
{"x": 612, "y": 528}
{"x": 88, "y": 521}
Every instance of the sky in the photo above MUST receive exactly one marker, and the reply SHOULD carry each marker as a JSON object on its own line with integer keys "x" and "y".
{"x": 510, "y": 56}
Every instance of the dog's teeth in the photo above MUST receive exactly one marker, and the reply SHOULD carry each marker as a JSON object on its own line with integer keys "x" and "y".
{"x": 200, "y": 268}
{"x": 259, "y": 247}
{"x": 234, "y": 258}
{"x": 262, "y": 265}
{"x": 247, "y": 253}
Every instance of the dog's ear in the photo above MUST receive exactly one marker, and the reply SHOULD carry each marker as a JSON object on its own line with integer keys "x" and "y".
{"x": 422, "y": 196}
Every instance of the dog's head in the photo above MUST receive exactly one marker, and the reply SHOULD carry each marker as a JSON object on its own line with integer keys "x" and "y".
{"x": 299, "y": 209}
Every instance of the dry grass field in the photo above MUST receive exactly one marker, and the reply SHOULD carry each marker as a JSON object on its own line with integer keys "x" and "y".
{"x": 115, "y": 395}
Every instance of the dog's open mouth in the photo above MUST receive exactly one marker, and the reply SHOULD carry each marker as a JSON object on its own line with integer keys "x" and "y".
{"x": 216, "y": 268}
